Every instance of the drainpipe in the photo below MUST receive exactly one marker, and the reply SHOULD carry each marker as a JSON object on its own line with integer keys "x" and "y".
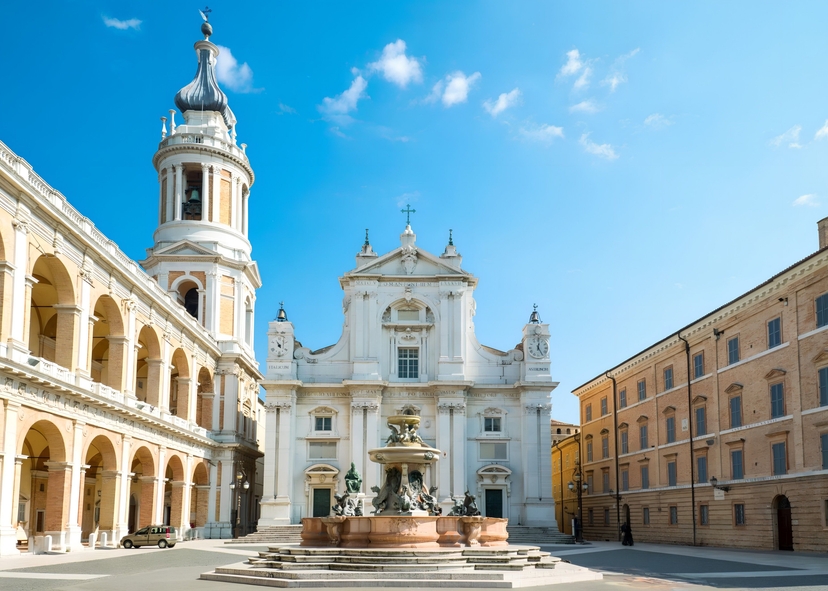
{"x": 615, "y": 438}
{"x": 690, "y": 419}
{"x": 560, "y": 473}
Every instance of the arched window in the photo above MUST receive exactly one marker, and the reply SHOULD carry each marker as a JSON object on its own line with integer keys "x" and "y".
{"x": 191, "y": 302}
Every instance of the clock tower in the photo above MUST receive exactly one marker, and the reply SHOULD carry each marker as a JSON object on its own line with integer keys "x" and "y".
{"x": 536, "y": 347}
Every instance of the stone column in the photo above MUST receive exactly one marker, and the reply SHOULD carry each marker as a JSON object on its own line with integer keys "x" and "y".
{"x": 179, "y": 189}
{"x": 458, "y": 448}
{"x": 444, "y": 444}
{"x": 205, "y": 191}
{"x": 216, "y": 193}
{"x": 6, "y": 289}
{"x": 20, "y": 303}
{"x": 117, "y": 369}
{"x": 74, "y": 529}
{"x": 110, "y": 491}
{"x": 125, "y": 478}
{"x": 211, "y": 500}
{"x": 226, "y": 498}
{"x": 68, "y": 327}
{"x": 85, "y": 359}
{"x": 373, "y": 472}
{"x": 234, "y": 184}
{"x": 170, "y": 202}
{"x": 177, "y": 510}
{"x": 59, "y": 503}
{"x": 131, "y": 348}
{"x": 155, "y": 386}
{"x": 9, "y": 480}
{"x": 245, "y": 198}
{"x": 158, "y": 516}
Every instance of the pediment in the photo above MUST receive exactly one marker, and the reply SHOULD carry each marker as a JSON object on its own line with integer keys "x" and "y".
{"x": 668, "y": 409}
{"x": 734, "y": 387}
{"x": 822, "y": 357}
{"x": 185, "y": 248}
{"x": 494, "y": 469}
{"x": 414, "y": 263}
{"x": 699, "y": 399}
{"x": 775, "y": 373}
{"x": 642, "y": 419}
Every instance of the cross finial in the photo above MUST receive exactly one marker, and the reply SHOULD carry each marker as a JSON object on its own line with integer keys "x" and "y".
{"x": 205, "y": 14}
{"x": 408, "y": 211}
{"x": 366, "y": 237}
{"x": 282, "y": 305}
{"x": 535, "y": 307}
{"x": 451, "y": 241}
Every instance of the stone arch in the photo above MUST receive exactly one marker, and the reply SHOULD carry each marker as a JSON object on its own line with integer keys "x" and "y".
{"x": 143, "y": 488}
{"x": 180, "y": 384}
{"x": 189, "y": 292}
{"x": 148, "y": 364}
{"x": 99, "y": 487}
{"x": 44, "y": 483}
{"x": 174, "y": 497}
{"x": 419, "y": 301}
{"x": 204, "y": 399}
{"x": 107, "y": 351}
{"x": 52, "y": 323}
{"x": 200, "y": 495}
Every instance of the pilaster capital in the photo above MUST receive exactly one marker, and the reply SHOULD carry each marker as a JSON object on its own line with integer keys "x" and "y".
{"x": 446, "y": 406}
{"x": 70, "y": 309}
{"x": 369, "y": 405}
{"x": 20, "y": 225}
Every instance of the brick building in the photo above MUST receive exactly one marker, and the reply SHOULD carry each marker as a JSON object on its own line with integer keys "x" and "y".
{"x": 737, "y": 457}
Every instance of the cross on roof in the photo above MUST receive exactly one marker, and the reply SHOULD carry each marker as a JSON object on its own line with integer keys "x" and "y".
{"x": 408, "y": 211}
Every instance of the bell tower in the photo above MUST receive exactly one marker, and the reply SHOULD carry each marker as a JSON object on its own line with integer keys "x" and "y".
{"x": 201, "y": 253}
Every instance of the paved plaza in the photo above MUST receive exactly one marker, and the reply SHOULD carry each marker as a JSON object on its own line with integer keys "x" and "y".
{"x": 643, "y": 566}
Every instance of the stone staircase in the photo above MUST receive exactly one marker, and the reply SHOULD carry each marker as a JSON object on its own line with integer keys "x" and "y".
{"x": 272, "y": 535}
{"x": 521, "y": 534}
{"x": 504, "y": 567}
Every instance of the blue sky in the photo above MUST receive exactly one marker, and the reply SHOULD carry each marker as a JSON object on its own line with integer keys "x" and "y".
{"x": 628, "y": 166}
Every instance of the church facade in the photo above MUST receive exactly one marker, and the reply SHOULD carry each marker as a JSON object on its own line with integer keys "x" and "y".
{"x": 408, "y": 345}
{"x": 129, "y": 395}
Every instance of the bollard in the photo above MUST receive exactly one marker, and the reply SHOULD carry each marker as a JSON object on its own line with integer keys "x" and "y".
{"x": 93, "y": 538}
{"x": 47, "y": 543}
{"x": 104, "y": 539}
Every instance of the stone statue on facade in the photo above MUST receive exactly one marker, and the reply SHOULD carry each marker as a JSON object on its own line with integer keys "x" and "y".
{"x": 353, "y": 481}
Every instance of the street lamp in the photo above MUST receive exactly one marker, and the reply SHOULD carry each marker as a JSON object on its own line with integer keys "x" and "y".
{"x": 237, "y": 485}
{"x": 581, "y": 488}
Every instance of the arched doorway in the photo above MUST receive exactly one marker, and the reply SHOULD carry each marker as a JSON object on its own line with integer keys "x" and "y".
{"x": 148, "y": 367}
{"x": 142, "y": 490}
{"x": 199, "y": 496}
{"x": 174, "y": 501}
{"x": 204, "y": 404}
{"x": 42, "y": 501}
{"x": 784, "y": 525}
{"x": 53, "y": 317}
{"x": 108, "y": 345}
{"x": 99, "y": 489}
{"x": 180, "y": 385}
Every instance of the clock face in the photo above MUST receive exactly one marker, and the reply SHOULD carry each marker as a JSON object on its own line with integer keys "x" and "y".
{"x": 537, "y": 347}
{"x": 279, "y": 345}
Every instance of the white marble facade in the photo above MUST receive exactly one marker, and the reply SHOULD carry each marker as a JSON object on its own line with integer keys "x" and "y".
{"x": 409, "y": 341}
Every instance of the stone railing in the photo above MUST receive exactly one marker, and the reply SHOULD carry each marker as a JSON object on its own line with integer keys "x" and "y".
{"x": 206, "y": 140}
{"x": 24, "y": 173}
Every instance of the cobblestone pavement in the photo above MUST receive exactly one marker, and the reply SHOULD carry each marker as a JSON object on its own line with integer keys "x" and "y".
{"x": 648, "y": 567}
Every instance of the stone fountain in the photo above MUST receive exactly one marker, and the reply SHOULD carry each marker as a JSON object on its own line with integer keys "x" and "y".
{"x": 406, "y": 513}
{"x": 406, "y": 542}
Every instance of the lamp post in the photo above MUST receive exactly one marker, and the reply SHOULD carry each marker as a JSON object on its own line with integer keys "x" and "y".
{"x": 580, "y": 487}
{"x": 238, "y": 485}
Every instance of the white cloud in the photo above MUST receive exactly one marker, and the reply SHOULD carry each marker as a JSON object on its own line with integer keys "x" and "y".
{"x": 544, "y": 133}
{"x": 503, "y": 102}
{"x": 457, "y": 87}
{"x": 587, "y": 106}
{"x": 603, "y": 150}
{"x": 582, "y": 82}
{"x": 337, "y": 108}
{"x": 622, "y": 58}
{"x": 406, "y": 198}
{"x": 286, "y": 109}
{"x": 573, "y": 63}
{"x": 657, "y": 121}
{"x": 790, "y": 137}
{"x": 822, "y": 132}
{"x": 397, "y": 67}
{"x": 435, "y": 94}
{"x": 614, "y": 80}
{"x": 116, "y": 23}
{"x": 228, "y": 71}
{"x": 810, "y": 200}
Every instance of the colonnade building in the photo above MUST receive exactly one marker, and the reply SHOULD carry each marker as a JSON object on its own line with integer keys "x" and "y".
{"x": 130, "y": 391}
{"x": 717, "y": 434}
